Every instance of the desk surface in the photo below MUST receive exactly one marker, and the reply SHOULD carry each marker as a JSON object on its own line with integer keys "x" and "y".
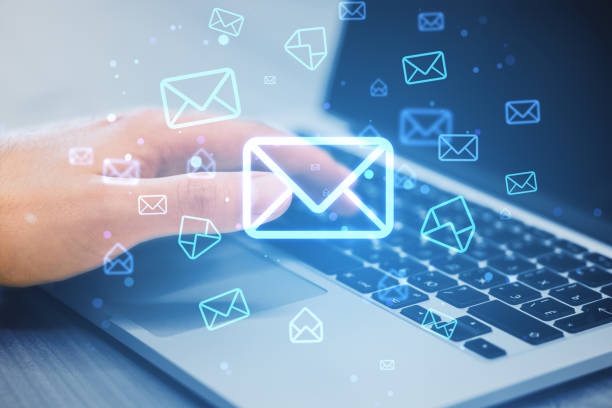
{"x": 49, "y": 356}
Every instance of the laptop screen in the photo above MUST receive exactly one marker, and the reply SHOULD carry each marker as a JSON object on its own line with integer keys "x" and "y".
{"x": 530, "y": 79}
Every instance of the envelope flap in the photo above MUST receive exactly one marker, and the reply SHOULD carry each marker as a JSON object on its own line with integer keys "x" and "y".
{"x": 221, "y": 304}
{"x": 353, "y": 7}
{"x": 152, "y": 201}
{"x": 423, "y": 62}
{"x": 313, "y": 38}
{"x": 117, "y": 252}
{"x": 458, "y": 143}
{"x": 226, "y": 18}
{"x": 431, "y": 18}
{"x": 522, "y": 108}
{"x": 427, "y": 121}
{"x": 378, "y": 84}
{"x": 305, "y": 318}
{"x": 521, "y": 179}
{"x": 200, "y": 89}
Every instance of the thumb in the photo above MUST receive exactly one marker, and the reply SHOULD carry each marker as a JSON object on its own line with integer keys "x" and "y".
{"x": 218, "y": 199}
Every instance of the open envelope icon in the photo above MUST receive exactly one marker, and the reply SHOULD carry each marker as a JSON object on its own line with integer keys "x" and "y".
{"x": 521, "y": 183}
{"x": 458, "y": 147}
{"x": 120, "y": 171}
{"x": 421, "y": 126}
{"x": 440, "y": 323}
{"x": 118, "y": 261}
{"x": 197, "y": 99}
{"x": 226, "y": 22}
{"x": 450, "y": 225}
{"x": 431, "y": 21}
{"x": 374, "y": 149}
{"x": 352, "y": 10}
{"x": 427, "y": 67}
{"x": 224, "y": 309}
{"x": 379, "y": 88}
{"x": 201, "y": 164}
{"x": 81, "y": 156}
{"x": 305, "y": 327}
{"x": 308, "y": 46}
{"x": 196, "y": 244}
{"x": 152, "y": 204}
{"x": 523, "y": 112}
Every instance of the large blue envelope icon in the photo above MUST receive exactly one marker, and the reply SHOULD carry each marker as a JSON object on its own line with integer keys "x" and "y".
{"x": 421, "y": 126}
{"x": 427, "y": 67}
{"x": 523, "y": 112}
{"x": 458, "y": 147}
{"x": 521, "y": 183}
{"x": 378, "y": 224}
{"x": 308, "y": 46}
{"x": 196, "y": 99}
{"x": 450, "y": 225}
{"x": 224, "y": 309}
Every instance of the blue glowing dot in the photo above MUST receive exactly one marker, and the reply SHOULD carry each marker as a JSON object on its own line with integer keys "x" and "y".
{"x": 510, "y": 60}
{"x": 557, "y": 211}
{"x": 105, "y": 324}
{"x": 432, "y": 103}
{"x": 488, "y": 276}
{"x": 344, "y": 228}
{"x": 368, "y": 174}
{"x": 333, "y": 216}
{"x": 425, "y": 189}
{"x": 342, "y": 83}
{"x": 500, "y": 65}
{"x": 464, "y": 33}
{"x": 129, "y": 282}
{"x": 112, "y": 63}
{"x": 97, "y": 303}
{"x": 172, "y": 27}
{"x": 475, "y": 70}
{"x": 326, "y": 105}
{"x": 224, "y": 366}
{"x": 597, "y": 212}
{"x": 152, "y": 40}
{"x": 223, "y": 39}
{"x": 483, "y": 19}
{"x": 353, "y": 378}
{"x": 477, "y": 131}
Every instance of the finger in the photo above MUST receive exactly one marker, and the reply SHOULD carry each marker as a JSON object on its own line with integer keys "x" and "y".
{"x": 217, "y": 199}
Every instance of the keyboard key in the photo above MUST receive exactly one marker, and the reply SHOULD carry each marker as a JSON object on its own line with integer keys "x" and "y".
{"x": 542, "y": 279}
{"x": 417, "y": 313}
{"x": 453, "y": 264}
{"x": 511, "y": 264}
{"x": 402, "y": 267}
{"x": 569, "y": 246}
{"x": 514, "y": 293}
{"x": 605, "y": 304}
{"x": 376, "y": 254}
{"x": 538, "y": 233}
{"x": 514, "y": 322}
{"x": 399, "y": 296}
{"x": 547, "y": 309}
{"x": 431, "y": 281}
{"x": 591, "y": 276}
{"x": 584, "y": 321}
{"x": 607, "y": 290}
{"x": 599, "y": 259}
{"x": 462, "y": 296}
{"x": 322, "y": 257}
{"x": 467, "y": 327}
{"x": 423, "y": 250}
{"x": 574, "y": 294}
{"x": 560, "y": 262}
{"x": 484, "y": 348}
{"x": 366, "y": 280}
{"x": 483, "y": 278}
{"x": 497, "y": 233}
{"x": 530, "y": 248}
{"x": 482, "y": 250}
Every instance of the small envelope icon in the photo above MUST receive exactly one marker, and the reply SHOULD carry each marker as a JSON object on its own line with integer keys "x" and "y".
{"x": 308, "y": 46}
{"x": 224, "y": 309}
{"x": 118, "y": 261}
{"x": 201, "y": 164}
{"x": 431, "y": 21}
{"x": 152, "y": 204}
{"x": 521, "y": 183}
{"x": 421, "y": 126}
{"x": 458, "y": 147}
{"x": 440, "y": 323}
{"x": 523, "y": 112}
{"x": 405, "y": 178}
{"x": 352, "y": 10}
{"x": 197, "y": 99}
{"x": 450, "y": 225}
{"x": 120, "y": 171}
{"x": 387, "y": 365}
{"x": 202, "y": 241}
{"x": 305, "y": 327}
{"x": 427, "y": 67}
{"x": 81, "y": 156}
{"x": 379, "y": 88}
{"x": 269, "y": 79}
{"x": 374, "y": 148}
{"x": 226, "y": 22}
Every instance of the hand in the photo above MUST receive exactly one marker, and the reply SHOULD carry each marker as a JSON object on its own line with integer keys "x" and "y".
{"x": 53, "y": 215}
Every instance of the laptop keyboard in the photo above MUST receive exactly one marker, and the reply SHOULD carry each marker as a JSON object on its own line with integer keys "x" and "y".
{"x": 515, "y": 278}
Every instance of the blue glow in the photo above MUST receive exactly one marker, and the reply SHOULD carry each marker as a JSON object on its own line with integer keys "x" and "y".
{"x": 352, "y": 10}
{"x": 464, "y": 33}
{"x": 475, "y": 70}
{"x": 523, "y": 112}
{"x": 425, "y": 189}
{"x": 421, "y": 126}
{"x": 458, "y": 148}
{"x": 423, "y": 68}
{"x": 431, "y": 21}
{"x": 368, "y": 174}
{"x": 521, "y": 183}
{"x": 597, "y": 212}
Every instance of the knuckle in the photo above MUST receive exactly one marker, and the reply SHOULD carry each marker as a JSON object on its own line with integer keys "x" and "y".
{"x": 199, "y": 197}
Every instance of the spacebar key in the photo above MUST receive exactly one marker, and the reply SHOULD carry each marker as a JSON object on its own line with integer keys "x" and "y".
{"x": 515, "y": 322}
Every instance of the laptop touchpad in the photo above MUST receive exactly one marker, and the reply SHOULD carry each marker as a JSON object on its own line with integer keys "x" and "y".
{"x": 168, "y": 286}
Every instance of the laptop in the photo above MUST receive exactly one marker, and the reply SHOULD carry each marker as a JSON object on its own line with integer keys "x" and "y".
{"x": 402, "y": 320}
